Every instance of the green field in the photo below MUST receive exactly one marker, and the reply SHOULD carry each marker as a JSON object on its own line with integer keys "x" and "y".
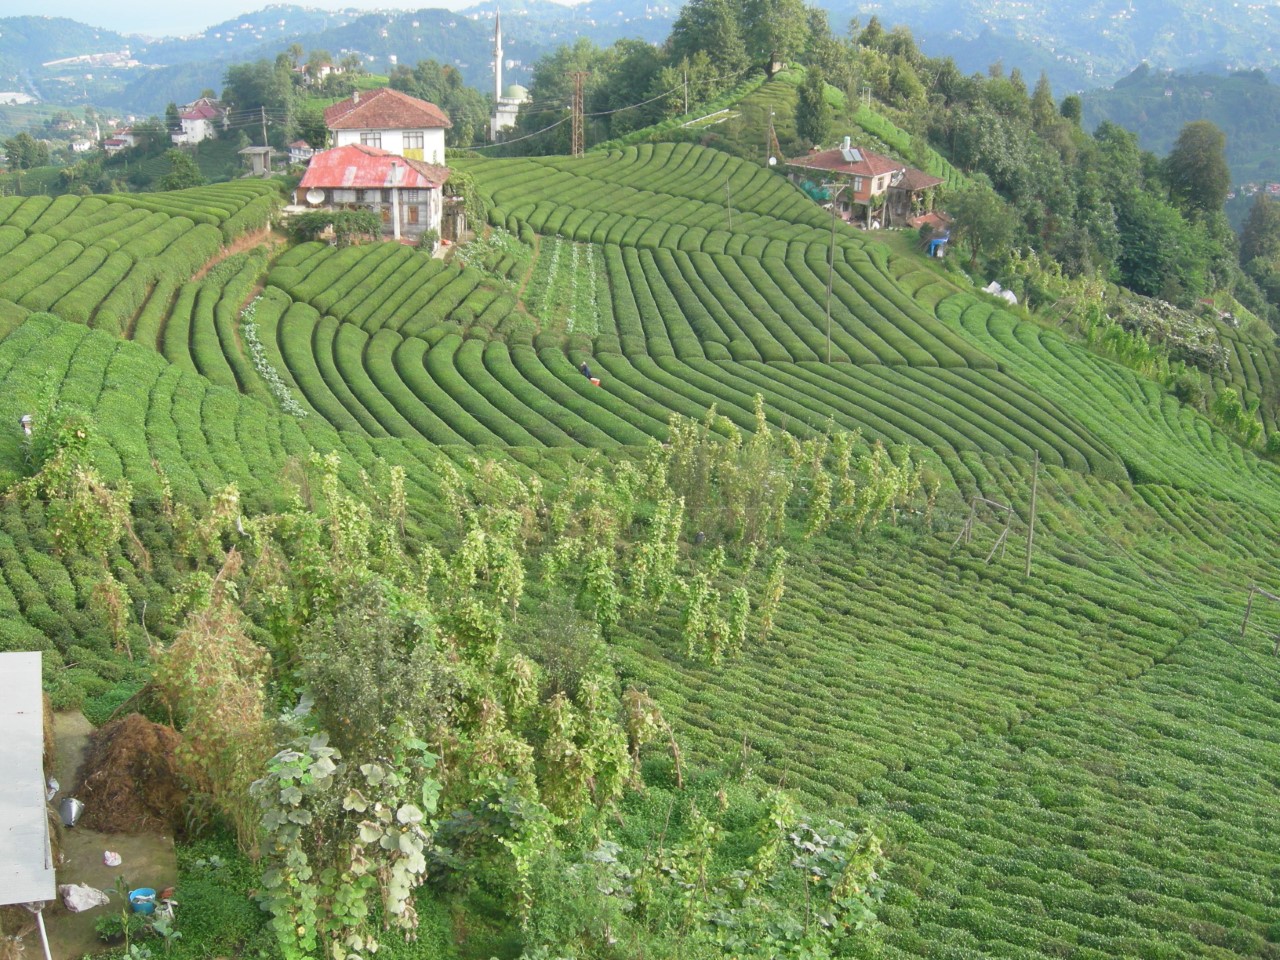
{"x": 1080, "y": 763}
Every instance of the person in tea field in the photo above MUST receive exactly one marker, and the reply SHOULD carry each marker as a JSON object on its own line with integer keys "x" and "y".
{"x": 586, "y": 370}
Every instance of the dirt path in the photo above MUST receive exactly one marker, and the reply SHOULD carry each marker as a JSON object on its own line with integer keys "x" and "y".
{"x": 239, "y": 245}
{"x": 147, "y": 860}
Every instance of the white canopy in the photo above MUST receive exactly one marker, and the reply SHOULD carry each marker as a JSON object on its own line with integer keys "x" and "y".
{"x": 26, "y": 861}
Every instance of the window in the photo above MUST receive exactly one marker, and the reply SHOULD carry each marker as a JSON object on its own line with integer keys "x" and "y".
{"x": 371, "y": 196}
{"x": 413, "y": 213}
{"x": 411, "y": 196}
{"x": 344, "y": 196}
{"x": 857, "y": 184}
{"x": 414, "y": 139}
{"x": 370, "y": 138}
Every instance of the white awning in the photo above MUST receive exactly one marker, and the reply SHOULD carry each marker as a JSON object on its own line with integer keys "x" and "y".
{"x": 26, "y": 862}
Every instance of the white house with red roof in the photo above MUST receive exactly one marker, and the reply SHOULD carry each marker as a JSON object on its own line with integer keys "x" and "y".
{"x": 300, "y": 151}
{"x": 389, "y": 120}
{"x": 408, "y": 194}
{"x": 198, "y": 121}
{"x": 868, "y": 176}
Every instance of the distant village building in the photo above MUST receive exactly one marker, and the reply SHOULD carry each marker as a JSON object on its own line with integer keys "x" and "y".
{"x": 122, "y": 139}
{"x": 507, "y": 99}
{"x": 389, "y": 120}
{"x": 407, "y": 194}
{"x": 870, "y": 176}
{"x": 199, "y": 120}
{"x": 81, "y": 146}
{"x": 300, "y": 151}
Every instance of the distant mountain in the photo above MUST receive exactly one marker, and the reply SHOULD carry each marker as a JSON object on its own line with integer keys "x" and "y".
{"x": 1098, "y": 40}
{"x": 1156, "y": 103}
{"x": 178, "y": 68}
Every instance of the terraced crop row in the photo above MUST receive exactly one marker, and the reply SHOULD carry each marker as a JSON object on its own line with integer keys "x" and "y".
{"x": 96, "y": 261}
{"x": 1162, "y": 440}
{"x": 388, "y": 286}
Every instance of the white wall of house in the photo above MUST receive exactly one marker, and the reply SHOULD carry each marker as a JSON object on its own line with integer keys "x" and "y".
{"x": 194, "y": 131}
{"x": 425, "y": 145}
{"x": 420, "y": 210}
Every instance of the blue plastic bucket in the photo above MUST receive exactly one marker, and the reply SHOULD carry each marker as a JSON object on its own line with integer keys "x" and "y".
{"x": 143, "y": 900}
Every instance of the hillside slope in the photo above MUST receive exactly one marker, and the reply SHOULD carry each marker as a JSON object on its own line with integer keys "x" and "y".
{"x": 1080, "y": 762}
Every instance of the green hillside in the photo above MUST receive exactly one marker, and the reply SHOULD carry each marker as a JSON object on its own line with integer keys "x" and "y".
{"x": 1079, "y": 762}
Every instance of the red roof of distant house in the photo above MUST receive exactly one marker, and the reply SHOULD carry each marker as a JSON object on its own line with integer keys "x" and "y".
{"x": 362, "y": 167}
{"x": 914, "y": 180}
{"x": 833, "y": 161}
{"x": 300, "y": 144}
{"x": 115, "y": 142}
{"x": 201, "y": 112}
{"x": 934, "y": 218}
{"x": 384, "y": 109}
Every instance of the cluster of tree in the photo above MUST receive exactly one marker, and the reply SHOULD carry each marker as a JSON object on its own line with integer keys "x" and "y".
{"x": 25, "y": 151}
{"x": 713, "y": 45}
{"x": 390, "y": 718}
{"x": 468, "y": 109}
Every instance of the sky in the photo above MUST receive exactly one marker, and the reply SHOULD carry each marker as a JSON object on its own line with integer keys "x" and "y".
{"x": 168, "y": 18}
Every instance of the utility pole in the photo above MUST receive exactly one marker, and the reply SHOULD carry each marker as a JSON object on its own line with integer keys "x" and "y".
{"x": 577, "y": 146}
{"x": 831, "y": 257}
{"x": 1031, "y": 523}
{"x": 686, "y": 89}
{"x": 267, "y": 146}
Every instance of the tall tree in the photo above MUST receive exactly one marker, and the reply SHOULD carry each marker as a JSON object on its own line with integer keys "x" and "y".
{"x": 982, "y": 221}
{"x": 710, "y": 25}
{"x": 1260, "y": 238}
{"x": 1044, "y": 113}
{"x": 774, "y": 28}
{"x": 813, "y": 113}
{"x": 1196, "y": 168}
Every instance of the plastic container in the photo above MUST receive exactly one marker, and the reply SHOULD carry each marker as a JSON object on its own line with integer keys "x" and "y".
{"x": 70, "y": 810}
{"x": 143, "y": 900}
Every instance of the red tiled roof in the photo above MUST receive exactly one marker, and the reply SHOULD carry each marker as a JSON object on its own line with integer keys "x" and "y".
{"x": 934, "y": 218}
{"x": 360, "y": 167}
{"x": 302, "y": 144}
{"x": 915, "y": 179}
{"x": 202, "y": 112}
{"x": 384, "y": 109}
{"x": 833, "y": 161}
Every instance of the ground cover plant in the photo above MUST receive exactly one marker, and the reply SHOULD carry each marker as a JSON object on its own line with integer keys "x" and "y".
{"x": 691, "y": 663}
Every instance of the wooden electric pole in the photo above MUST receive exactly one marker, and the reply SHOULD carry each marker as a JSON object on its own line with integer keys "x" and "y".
{"x": 577, "y": 147}
{"x": 1031, "y": 523}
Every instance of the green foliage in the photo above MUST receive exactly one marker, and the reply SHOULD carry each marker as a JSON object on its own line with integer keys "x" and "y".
{"x": 348, "y": 226}
{"x": 813, "y": 115}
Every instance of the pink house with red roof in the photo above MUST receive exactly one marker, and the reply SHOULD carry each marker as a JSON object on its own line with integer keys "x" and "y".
{"x": 389, "y": 120}
{"x": 868, "y": 176}
{"x": 408, "y": 194}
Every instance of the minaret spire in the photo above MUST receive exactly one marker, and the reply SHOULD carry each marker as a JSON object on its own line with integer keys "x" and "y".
{"x": 497, "y": 55}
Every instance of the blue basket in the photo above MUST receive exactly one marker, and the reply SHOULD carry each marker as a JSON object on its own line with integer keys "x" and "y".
{"x": 143, "y": 900}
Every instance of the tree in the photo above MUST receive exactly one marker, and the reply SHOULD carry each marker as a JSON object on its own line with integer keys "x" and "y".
{"x": 710, "y": 25}
{"x": 1260, "y": 238}
{"x": 774, "y": 29}
{"x": 1072, "y": 109}
{"x": 813, "y": 113}
{"x": 1043, "y": 113}
{"x": 1196, "y": 169}
{"x": 25, "y": 151}
{"x": 171, "y": 119}
{"x": 183, "y": 172}
{"x": 982, "y": 221}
